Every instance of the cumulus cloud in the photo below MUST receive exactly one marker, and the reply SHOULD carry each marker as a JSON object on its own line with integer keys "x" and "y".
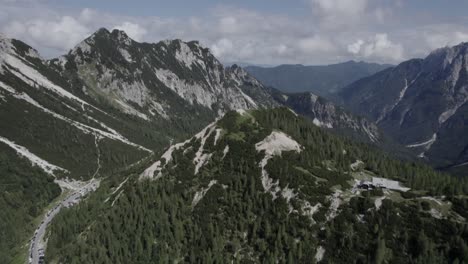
{"x": 133, "y": 30}
{"x": 355, "y": 47}
{"x": 442, "y": 39}
{"x": 222, "y": 47}
{"x": 339, "y": 12}
{"x": 315, "y": 44}
{"x": 379, "y": 47}
{"x": 87, "y": 15}
{"x": 59, "y": 33}
{"x": 332, "y": 31}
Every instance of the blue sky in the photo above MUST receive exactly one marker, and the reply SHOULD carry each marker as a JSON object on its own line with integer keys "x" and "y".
{"x": 183, "y": 8}
{"x": 256, "y": 31}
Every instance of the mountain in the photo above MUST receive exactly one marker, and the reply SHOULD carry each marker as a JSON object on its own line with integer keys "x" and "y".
{"x": 421, "y": 103}
{"x": 321, "y": 80}
{"x": 112, "y": 90}
{"x": 41, "y": 116}
{"x": 268, "y": 186}
{"x": 146, "y": 79}
{"x": 91, "y": 171}
{"x": 49, "y": 135}
{"x": 108, "y": 104}
{"x": 326, "y": 114}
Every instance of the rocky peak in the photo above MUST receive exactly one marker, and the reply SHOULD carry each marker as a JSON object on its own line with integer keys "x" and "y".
{"x": 107, "y": 45}
{"x": 446, "y": 51}
{"x": 17, "y": 48}
{"x": 237, "y": 71}
{"x": 189, "y": 54}
{"x": 102, "y": 40}
{"x": 448, "y": 57}
{"x": 241, "y": 75}
{"x": 121, "y": 37}
{"x": 450, "y": 64}
{"x": 116, "y": 35}
{"x": 140, "y": 75}
{"x": 5, "y": 44}
{"x": 313, "y": 97}
{"x": 102, "y": 32}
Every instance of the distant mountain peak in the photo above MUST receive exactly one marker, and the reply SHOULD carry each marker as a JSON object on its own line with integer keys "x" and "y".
{"x": 447, "y": 56}
{"x": 115, "y": 35}
{"x": 323, "y": 80}
{"x": 458, "y": 47}
{"x": 421, "y": 103}
{"x": 101, "y": 31}
{"x": 17, "y": 48}
{"x": 234, "y": 66}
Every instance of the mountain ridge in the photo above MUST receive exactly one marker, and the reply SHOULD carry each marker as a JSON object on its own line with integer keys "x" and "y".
{"x": 323, "y": 80}
{"x": 106, "y": 111}
{"x": 421, "y": 103}
{"x": 185, "y": 68}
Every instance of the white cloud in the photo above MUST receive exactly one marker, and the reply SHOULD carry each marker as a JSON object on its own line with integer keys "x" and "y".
{"x": 59, "y": 33}
{"x": 447, "y": 38}
{"x": 315, "y": 44}
{"x": 87, "y": 15}
{"x": 222, "y": 47}
{"x": 282, "y": 49}
{"x": 336, "y": 8}
{"x": 355, "y": 47}
{"x": 379, "y": 47}
{"x": 334, "y": 31}
{"x": 228, "y": 25}
{"x": 340, "y": 12}
{"x": 133, "y": 30}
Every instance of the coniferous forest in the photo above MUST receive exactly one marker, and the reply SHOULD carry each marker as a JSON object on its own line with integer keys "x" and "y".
{"x": 236, "y": 220}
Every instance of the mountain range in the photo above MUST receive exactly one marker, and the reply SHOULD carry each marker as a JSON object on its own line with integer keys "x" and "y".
{"x": 326, "y": 114}
{"x": 421, "y": 103}
{"x": 321, "y": 80}
{"x": 270, "y": 175}
{"x": 112, "y": 90}
{"x": 106, "y": 105}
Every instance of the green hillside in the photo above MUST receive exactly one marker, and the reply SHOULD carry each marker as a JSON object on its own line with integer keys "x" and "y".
{"x": 215, "y": 202}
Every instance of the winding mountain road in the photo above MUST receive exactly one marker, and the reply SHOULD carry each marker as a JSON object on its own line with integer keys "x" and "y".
{"x": 38, "y": 242}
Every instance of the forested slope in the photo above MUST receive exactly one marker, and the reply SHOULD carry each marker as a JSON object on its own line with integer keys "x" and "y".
{"x": 25, "y": 190}
{"x": 266, "y": 186}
